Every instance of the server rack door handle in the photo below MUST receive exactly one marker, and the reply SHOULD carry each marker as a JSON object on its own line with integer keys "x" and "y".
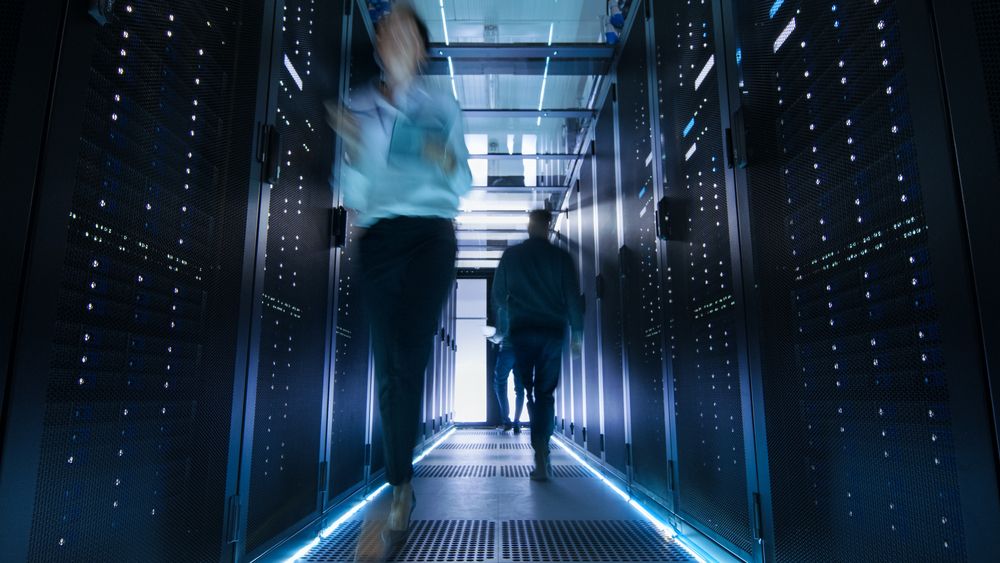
{"x": 338, "y": 226}
{"x": 272, "y": 159}
{"x": 736, "y": 141}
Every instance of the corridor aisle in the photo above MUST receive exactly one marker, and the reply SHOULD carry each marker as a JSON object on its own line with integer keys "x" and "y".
{"x": 476, "y": 503}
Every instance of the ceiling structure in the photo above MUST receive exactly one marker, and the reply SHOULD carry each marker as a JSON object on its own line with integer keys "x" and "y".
{"x": 526, "y": 73}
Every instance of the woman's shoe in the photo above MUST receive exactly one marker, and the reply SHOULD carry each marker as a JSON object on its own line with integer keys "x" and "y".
{"x": 397, "y": 527}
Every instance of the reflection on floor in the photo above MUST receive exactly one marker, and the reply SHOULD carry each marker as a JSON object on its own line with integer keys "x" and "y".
{"x": 476, "y": 504}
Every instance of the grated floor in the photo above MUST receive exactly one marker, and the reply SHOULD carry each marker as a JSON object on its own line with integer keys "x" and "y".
{"x": 475, "y": 503}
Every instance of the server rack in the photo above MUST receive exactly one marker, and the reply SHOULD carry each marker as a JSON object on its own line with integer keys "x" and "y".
{"x": 592, "y": 430}
{"x": 639, "y": 269}
{"x": 859, "y": 288}
{"x": 283, "y": 448}
{"x": 133, "y": 333}
{"x": 609, "y": 290}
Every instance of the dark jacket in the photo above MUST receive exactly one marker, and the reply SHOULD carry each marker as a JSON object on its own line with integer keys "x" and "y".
{"x": 536, "y": 286}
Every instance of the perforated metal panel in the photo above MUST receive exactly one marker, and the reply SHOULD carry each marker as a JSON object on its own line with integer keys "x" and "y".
{"x": 987, "y": 17}
{"x": 523, "y": 471}
{"x": 701, "y": 300}
{"x": 586, "y": 540}
{"x": 428, "y": 541}
{"x": 855, "y": 379}
{"x": 609, "y": 290}
{"x": 640, "y": 268}
{"x": 347, "y": 456}
{"x": 135, "y": 440}
{"x": 289, "y": 398}
{"x": 454, "y": 471}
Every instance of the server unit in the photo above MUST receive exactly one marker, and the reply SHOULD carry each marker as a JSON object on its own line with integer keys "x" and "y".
{"x": 821, "y": 178}
{"x": 187, "y": 370}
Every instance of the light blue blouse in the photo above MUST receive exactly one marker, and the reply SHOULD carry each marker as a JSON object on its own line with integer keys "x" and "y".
{"x": 391, "y": 178}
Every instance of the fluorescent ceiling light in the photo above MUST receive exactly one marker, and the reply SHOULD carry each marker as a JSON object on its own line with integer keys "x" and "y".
{"x": 505, "y": 220}
{"x": 477, "y": 263}
{"x": 480, "y": 254}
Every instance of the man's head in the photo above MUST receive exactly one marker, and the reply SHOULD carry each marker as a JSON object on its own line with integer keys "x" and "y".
{"x": 402, "y": 43}
{"x": 539, "y": 221}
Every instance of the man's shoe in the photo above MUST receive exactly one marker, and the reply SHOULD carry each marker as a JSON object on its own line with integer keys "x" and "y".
{"x": 517, "y": 428}
{"x": 507, "y": 426}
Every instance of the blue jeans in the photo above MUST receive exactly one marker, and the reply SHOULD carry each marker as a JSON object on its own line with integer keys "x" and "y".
{"x": 538, "y": 362}
{"x": 504, "y": 365}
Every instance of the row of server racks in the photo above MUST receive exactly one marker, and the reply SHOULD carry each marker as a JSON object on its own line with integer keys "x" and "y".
{"x": 785, "y": 227}
{"x": 186, "y": 369}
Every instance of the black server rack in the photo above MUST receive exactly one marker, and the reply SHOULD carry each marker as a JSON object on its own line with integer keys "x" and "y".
{"x": 349, "y": 447}
{"x": 639, "y": 269}
{"x": 608, "y": 288}
{"x": 122, "y": 426}
{"x": 28, "y": 27}
{"x": 871, "y": 403}
{"x": 286, "y": 388}
{"x": 575, "y": 233}
{"x": 703, "y": 322}
{"x": 591, "y": 323}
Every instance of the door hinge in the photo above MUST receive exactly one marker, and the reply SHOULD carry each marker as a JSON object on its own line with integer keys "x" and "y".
{"x": 233, "y": 519}
{"x": 593, "y": 148}
{"x": 670, "y": 474}
{"x": 602, "y": 442}
{"x": 758, "y": 518}
{"x": 614, "y": 92}
{"x": 578, "y": 186}
{"x": 572, "y": 428}
{"x": 583, "y": 434}
{"x": 368, "y": 454}
{"x": 338, "y": 226}
{"x": 269, "y": 154}
{"x": 628, "y": 454}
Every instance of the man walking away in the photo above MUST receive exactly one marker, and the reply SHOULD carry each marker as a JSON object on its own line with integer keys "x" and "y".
{"x": 537, "y": 286}
{"x": 501, "y": 373}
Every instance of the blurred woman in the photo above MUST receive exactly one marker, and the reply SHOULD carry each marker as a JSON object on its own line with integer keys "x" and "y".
{"x": 406, "y": 168}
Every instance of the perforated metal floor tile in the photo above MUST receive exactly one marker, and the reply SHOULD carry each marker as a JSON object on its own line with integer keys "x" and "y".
{"x": 437, "y": 541}
{"x": 467, "y": 446}
{"x": 557, "y": 471}
{"x": 515, "y": 446}
{"x": 540, "y": 541}
{"x": 443, "y": 471}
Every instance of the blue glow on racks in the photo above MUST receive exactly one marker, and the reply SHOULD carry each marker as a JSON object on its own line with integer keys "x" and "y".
{"x": 689, "y": 127}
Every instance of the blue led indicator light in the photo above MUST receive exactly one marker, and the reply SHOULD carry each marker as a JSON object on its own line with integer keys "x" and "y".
{"x": 739, "y": 56}
{"x": 642, "y": 192}
{"x": 689, "y": 127}
{"x": 776, "y": 6}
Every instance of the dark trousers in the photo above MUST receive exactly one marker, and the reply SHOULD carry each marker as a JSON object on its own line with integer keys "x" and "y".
{"x": 501, "y": 373}
{"x": 407, "y": 270}
{"x": 538, "y": 361}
